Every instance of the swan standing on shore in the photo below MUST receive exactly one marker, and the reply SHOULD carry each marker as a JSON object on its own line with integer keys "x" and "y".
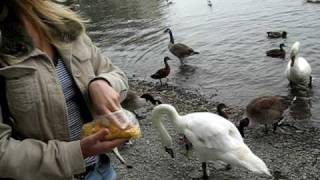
{"x": 298, "y": 69}
{"x": 212, "y": 136}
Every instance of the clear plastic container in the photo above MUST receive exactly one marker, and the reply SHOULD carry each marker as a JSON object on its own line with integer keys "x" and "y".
{"x": 121, "y": 124}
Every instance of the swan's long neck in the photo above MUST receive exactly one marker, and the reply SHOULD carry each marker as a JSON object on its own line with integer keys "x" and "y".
{"x": 172, "y": 114}
{"x": 294, "y": 52}
{"x": 292, "y": 60}
{"x": 171, "y": 37}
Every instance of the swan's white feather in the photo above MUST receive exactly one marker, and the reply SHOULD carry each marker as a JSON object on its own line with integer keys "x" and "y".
{"x": 212, "y": 131}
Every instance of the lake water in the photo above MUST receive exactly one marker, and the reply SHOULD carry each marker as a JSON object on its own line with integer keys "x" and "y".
{"x": 231, "y": 39}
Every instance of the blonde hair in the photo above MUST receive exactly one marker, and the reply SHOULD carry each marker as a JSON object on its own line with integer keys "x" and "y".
{"x": 48, "y": 17}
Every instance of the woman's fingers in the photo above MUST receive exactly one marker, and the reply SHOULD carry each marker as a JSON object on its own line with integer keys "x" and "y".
{"x": 101, "y": 135}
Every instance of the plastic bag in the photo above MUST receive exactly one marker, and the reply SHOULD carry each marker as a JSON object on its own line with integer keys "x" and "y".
{"x": 121, "y": 124}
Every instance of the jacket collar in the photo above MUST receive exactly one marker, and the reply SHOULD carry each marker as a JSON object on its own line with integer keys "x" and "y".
{"x": 16, "y": 44}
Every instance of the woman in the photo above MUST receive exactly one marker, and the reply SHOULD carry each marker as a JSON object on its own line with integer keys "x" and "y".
{"x": 55, "y": 79}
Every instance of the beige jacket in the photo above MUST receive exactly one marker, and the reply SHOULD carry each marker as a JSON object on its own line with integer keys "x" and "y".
{"x": 36, "y": 102}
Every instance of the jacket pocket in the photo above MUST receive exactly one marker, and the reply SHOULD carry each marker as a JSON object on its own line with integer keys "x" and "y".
{"x": 20, "y": 87}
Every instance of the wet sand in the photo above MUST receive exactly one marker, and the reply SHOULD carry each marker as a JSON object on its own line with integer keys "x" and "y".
{"x": 289, "y": 153}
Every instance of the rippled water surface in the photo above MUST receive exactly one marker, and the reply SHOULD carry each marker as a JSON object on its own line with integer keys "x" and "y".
{"x": 231, "y": 39}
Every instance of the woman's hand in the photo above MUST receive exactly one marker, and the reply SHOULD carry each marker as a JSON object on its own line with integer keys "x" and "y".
{"x": 97, "y": 144}
{"x": 103, "y": 97}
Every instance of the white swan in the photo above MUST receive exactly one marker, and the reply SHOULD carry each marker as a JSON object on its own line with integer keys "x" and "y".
{"x": 212, "y": 136}
{"x": 298, "y": 69}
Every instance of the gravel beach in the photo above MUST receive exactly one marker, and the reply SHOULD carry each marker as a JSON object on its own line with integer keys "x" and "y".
{"x": 290, "y": 153}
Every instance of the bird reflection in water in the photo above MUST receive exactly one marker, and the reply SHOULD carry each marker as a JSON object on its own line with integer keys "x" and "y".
{"x": 301, "y": 108}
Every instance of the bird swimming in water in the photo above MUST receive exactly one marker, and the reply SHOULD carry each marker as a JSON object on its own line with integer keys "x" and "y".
{"x": 267, "y": 110}
{"x": 277, "y": 53}
{"x": 298, "y": 70}
{"x": 212, "y": 136}
{"x": 274, "y": 34}
{"x": 180, "y": 50}
{"x": 163, "y": 72}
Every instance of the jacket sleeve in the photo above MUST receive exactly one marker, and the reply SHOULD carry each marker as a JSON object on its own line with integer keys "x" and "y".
{"x": 105, "y": 69}
{"x": 34, "y": 159}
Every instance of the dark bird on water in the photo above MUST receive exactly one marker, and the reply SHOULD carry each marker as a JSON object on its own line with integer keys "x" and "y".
{"x": 163, "y": 72}
{"x": 273, "y": 34}
{"x": 267, "y": 110}
{"x": 180, "y": 50}
{"x": 277, "y": 53}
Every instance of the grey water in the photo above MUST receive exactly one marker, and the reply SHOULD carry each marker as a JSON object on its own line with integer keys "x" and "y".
{"x": 231, "y": 39}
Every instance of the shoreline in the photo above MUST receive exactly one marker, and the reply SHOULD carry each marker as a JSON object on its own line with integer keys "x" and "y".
{"x": 289, "y": 154}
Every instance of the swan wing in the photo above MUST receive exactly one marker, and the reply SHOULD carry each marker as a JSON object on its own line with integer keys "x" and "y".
{"x": 301, "y": 70}
{"x": 208, "y": 130}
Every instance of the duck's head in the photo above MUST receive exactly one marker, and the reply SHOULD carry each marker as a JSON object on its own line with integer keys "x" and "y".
{"x": 294, "y": 50}
{"x": 149, "y": 97}
{"x": 243, "y": 123}
{"x": 167, "y": 30}
{"x": 282, "y": 45}
{"x": 284, "y": 34}
{"x": 221, "y": 110}
{"x": 166, "y": 58}
{"x": 221, "y": 106}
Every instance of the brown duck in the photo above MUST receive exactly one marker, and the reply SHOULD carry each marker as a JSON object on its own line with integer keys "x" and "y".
{"x": 163, "y": 72}
{"x": 180, "y": 50}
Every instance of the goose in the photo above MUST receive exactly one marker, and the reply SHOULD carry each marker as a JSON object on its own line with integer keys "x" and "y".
{"x": 180, "y": 50}
{"x": 298, "y": 70}
{"x": 209, "y": 3}
{"x": 212, "y": 136}
{"x": 133, "y": 102}
{"x": 273, "y": 34}
{"x": 265, "y": 110}
{"x": 277, "y": 53}
{"x": 163, "y": 72}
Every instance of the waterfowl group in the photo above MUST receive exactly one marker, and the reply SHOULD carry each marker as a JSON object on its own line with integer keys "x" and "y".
{"x": 266, "y": 110}
{"x": 277, "y": 53}
{"x": 275, "y": 34}
{"x": 180, "y": 50}
{"x": 298, "y": 70}
{"x": 163, "y": 72}
{"x": 212, "y": 136}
